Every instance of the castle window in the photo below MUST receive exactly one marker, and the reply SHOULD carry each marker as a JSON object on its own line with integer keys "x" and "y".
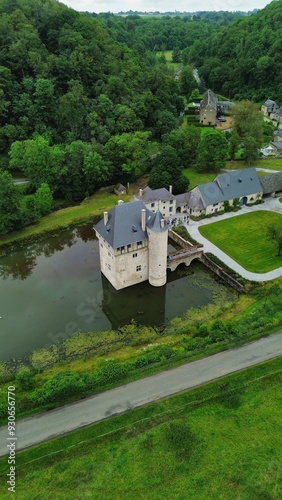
{"x": 139, "y": 243}
{"x": 128, "y": 247}
{"x": 134, "y": 255}
{"x": 171, "y": 202}
{"x": 138, "y": 268}
{"x": 152, "y": 204}
{"x": 170, "y": 209}
{"x": 109, "y": 267}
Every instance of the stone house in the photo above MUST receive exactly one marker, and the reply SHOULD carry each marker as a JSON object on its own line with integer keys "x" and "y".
{"x": 269, "y": 107}
{"x": 209, "y": 198}
{"x": 276, "y": 117}
{"x": 277, "y": 147}
{"x": 133, "y": 245}
{"x": 208, "y": 108}
{"x": 277, "y": 136}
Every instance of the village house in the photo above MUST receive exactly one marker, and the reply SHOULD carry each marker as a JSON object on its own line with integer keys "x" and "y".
{"x": 277, "y": 147}
{"x": 208, "y": 108}
{"x": 277, "y": 136}
{"x": 276, "y": 117}
{"x": 209, "y": 198}
{"x": 133, "y": 245}
{"x": 269, "y": 107}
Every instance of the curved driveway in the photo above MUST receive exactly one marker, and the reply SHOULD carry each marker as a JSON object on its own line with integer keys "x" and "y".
{"x": 270, "y": 204}
{"x": 51, "y": 424}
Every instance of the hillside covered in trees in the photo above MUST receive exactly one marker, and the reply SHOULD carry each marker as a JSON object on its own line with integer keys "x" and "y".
{"x": 82, "y": 96}
{"x": 244, "y": 60}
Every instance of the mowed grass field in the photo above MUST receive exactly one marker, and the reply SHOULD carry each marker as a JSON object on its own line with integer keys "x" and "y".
{"x": 219, "y": 441}
{"x": 244, "y": 238}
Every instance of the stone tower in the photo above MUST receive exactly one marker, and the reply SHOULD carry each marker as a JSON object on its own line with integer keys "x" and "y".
{"x": 157, "y": 246}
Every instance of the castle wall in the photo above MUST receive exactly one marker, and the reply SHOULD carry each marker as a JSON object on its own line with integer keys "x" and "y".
{"x": 125, "y": 266}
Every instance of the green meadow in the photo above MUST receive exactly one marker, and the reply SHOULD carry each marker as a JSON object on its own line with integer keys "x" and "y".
{"x": 244, "y": 238}
{"x": 220, "y": 441}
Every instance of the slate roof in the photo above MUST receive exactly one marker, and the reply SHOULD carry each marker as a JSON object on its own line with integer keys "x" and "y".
{"x": 269, "y": 102}
{"x": 195, "y": 200}
{"x": 124, "y": 224}
{"x": 150, "y": 195}
{"x": 230, "y": 185}
{"x": 278, "y": 133}
{"x": 209, "y": 99}
{"x": 271, "y": 183}
{"x": 277, "y": 145}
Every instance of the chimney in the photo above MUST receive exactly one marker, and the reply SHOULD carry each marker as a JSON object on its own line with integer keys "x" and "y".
{"x": 170, "y": 189}
{"x": 140, "y": 192}
{"x": 120, "y": 202}
{"x": 162, "y": 222}
{"x": 106, "y": 218}
{"x": 143, "y": 219}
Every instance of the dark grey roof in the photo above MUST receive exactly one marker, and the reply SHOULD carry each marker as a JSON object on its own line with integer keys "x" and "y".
{"x": 230, "y": 185}
{"x": 269, "y": 102}
{"x": 150, "y": 195}
{"x": 195, "y": 201}
{"x": 271, "y": 182}
{"x": 209, "y": 98}
{"x": 154, "y": 222}
{"x": 278, "y": 133}
{"x": 182, "y": 198}
{"x": 124, "y": 224}
{"x": 277, "y": 144}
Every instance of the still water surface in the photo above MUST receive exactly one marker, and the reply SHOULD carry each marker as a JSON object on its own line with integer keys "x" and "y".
{"x": 53, "y": 289}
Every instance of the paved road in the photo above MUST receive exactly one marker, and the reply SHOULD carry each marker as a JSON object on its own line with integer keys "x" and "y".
{"x": 44, "y": 426}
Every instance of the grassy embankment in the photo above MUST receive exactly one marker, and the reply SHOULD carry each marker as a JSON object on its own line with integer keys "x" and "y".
{"x": 221, "y": 440}
{"x": 64, "y": 218}
{"x": 244, "y": 239}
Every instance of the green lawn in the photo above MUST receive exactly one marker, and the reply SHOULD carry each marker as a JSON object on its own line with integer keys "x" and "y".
{"x": 244, "y": 239}
{"x": 219, "y": 441}
{"x": 273, "y": 164}
{"x": 196, "y": 178}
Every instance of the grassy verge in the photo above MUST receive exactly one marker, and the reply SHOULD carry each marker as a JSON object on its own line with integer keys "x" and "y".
{"x": 244, "y": 239}
{"x": 211, "y": 442}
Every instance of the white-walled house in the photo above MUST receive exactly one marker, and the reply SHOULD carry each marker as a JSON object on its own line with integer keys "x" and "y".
{"x": 209, "y": 198}
{"x": 132, "y": 245}
{"x": 158, "y": 199}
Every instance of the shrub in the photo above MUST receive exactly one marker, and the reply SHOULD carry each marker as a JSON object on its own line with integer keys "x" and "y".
{"x": 24, "y": 378}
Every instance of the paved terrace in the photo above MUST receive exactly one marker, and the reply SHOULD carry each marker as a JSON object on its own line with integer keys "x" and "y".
{"x": 271, "y": 204}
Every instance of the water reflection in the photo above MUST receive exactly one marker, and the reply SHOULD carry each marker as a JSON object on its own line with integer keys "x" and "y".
{"x": 20, "y": 264}
{"x": 142, "y": 302}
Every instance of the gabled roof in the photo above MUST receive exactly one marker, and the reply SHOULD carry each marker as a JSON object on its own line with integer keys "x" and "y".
{"x": 150, "y": 195}
{"x": 230, "y": 185}
{"x": 271, "y": 183}
{"x": 195, "y": 200}
{"x": 124, "y": 224}
{"x": 278, "y": 133}
{"x": 277, "y": 144}
{"x": 269, "y": 102}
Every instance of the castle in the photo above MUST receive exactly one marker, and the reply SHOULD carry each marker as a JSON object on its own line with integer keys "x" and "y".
{"x": 133, "y": 245}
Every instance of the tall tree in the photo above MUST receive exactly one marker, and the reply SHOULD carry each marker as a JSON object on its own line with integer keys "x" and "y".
{"x": 212, "y": 151}
{"x": 167, "y": 170}
{"x": 248, "y": 124}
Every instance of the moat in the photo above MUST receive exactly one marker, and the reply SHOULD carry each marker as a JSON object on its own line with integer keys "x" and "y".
{"x": 53, "y": 289}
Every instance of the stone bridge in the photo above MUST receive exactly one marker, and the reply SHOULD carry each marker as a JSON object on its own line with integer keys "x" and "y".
{"x": 183, "y": 256}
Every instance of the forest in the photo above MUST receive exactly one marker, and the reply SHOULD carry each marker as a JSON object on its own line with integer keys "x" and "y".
{"x": 86, "y": 99}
